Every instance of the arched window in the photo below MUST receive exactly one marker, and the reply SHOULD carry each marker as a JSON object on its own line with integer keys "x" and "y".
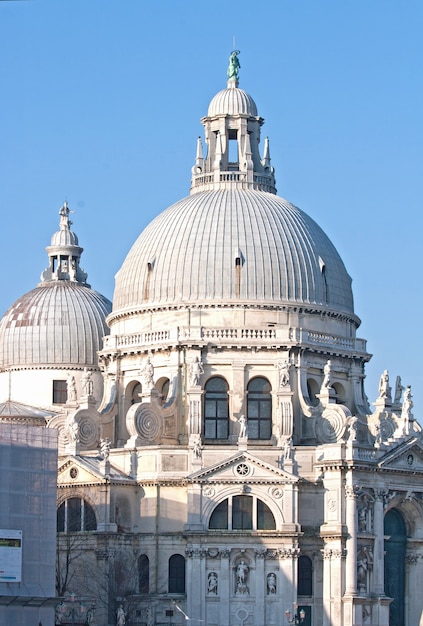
{"x": 143, "y": 574}
{"x": 176, "y": 574}
{"x": 259, "y": 409}
{"x": 216, "y": 409}
{"x": 242, "y": 513}
{"x": 305, "y": 576}
{"x": 75, "y": 515}
{"x": 135, "y": 393}
{"x": 312, "y": 390}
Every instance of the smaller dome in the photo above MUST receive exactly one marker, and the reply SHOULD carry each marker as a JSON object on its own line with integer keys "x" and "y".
{"x": 59, "y": 323}
{"x": 64, "y": 238}
{"x": 232, "y": 101}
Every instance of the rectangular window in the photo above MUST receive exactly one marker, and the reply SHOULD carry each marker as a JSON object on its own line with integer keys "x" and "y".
{"x": 242, "y": 513}
{"x": 60, "y": 391}
{"x": 74, "y": 514}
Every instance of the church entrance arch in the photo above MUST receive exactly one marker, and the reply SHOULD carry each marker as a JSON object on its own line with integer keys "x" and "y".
{"x": 395, "y": 543}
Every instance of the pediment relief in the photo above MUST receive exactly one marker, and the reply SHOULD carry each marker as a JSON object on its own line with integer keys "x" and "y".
{"x": 408, "y": 456}
{"x": 242, "y": 467}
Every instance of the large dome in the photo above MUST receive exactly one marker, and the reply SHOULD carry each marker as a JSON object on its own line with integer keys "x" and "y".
{"x": 233, "y": 241}
{"x": 233, "y": 246}
{"x": 58, "y": 323}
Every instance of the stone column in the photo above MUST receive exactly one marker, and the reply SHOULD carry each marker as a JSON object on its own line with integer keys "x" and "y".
{"x": 260, "y": 586}
{"x": 351, "y": 542}
{"x": 195, "y": 571}
{"x": 378, "y": 566}
{"x": 332, "y": 585}
{"x": 225, "y": 586}
{"x": 194, "y": 399}
{"x": 326, "y": 586}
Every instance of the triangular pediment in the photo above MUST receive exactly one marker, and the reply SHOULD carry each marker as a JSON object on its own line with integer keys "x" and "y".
{"x": 408, "y": 457}
{"x": 77, "y": 470}
{"x": 242, "y": 466}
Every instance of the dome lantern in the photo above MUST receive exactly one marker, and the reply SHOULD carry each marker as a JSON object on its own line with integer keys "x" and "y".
{"x": 64, "y": 253}
{"x": 232, "y": 134}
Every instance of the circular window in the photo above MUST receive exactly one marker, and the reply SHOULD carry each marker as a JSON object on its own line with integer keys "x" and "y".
{"x": 242, "y": 469}
{"x": 73, "y": 472}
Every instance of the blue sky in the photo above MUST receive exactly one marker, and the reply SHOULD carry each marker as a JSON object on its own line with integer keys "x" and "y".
{"x": 101, "y": 105}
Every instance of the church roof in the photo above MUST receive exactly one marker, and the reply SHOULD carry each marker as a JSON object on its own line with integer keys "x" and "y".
{"x": 61, "y": 321}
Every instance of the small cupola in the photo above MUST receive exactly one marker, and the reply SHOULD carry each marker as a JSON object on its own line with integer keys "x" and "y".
{"x": 232, "y": 135}
{"x": 64, "y": 253}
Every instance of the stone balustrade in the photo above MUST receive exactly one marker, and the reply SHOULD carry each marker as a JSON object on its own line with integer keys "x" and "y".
{"x": 266, "y": 337}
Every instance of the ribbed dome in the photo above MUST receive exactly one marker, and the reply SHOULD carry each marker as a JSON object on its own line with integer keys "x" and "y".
{"x": 232, "y": 101}
{"x": 233, "y": 246}
{"x": 58, "y": 323}
{"x": 64, "y": 238}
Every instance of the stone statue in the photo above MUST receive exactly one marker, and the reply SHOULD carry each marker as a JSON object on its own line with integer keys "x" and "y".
{"x": 71, "y": 386}
{"x": 105, "y": 445}
{"x": 408, "y": 403}
{"x": 283, "y": 368}
{"x": 384, "y": 388}
{"x": 362, "y": 568}
{"x": 120, "y": 617}
{"x": 196, "y": 369}
{"x": 353, "y": 429}
{"x": 362, "y": 519}
{"x": 72, "y": 270}
{"x": 398, "y": 390}
{"x": 64, "y": 211}
{"x": 212, "y": 583}
{"x": 196, "y": 446}
{"x": 271, "y": 584}
{"x": 73, "y": 429}
{"x": 234, "y": 65}
{"x": 327, "y": 371}
{"x": 241, "y": 574}
{"x": 87, "y": 383}
{"x": 287, "y": 446}
{"x": 148, "y": 373}
{"x": 242, "y": 427}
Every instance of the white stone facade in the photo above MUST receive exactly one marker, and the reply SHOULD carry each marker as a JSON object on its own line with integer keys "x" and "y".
{"x": 226, "y": 463}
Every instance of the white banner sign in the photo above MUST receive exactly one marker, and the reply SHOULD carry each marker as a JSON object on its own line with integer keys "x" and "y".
{"x": 10, "y": 556}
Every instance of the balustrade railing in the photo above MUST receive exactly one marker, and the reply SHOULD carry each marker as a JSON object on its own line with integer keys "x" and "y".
{"x": 240, "y": 335}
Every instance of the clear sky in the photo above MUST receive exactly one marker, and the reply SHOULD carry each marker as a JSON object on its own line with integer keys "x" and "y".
{"x": 101, "y": 103}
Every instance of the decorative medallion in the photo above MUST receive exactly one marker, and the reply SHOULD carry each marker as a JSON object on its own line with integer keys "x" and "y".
{"x": 209, "y": 491}
{"x": 73, "y": 472}
{"x": 242, "y": 469}
{"x": 276, "y": 492}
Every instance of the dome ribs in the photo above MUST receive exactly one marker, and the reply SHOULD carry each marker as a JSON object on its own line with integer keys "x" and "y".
{"x": 56, "y": 320}
{"x": 196, "y": 241}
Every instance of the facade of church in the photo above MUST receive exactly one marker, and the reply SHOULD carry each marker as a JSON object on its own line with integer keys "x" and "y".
{"x": 218, "y": 458}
